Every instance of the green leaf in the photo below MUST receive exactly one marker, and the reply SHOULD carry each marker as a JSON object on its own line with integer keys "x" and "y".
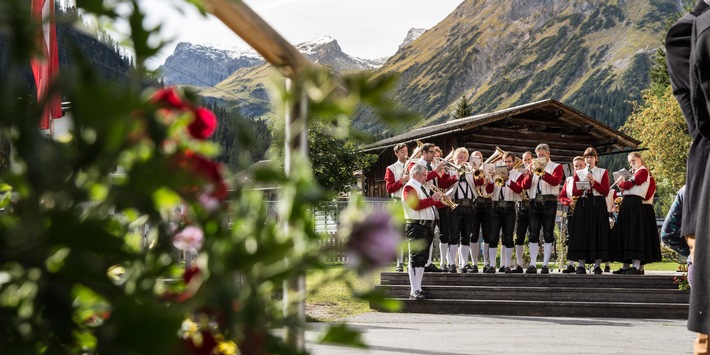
{"x": 343, "y": 335}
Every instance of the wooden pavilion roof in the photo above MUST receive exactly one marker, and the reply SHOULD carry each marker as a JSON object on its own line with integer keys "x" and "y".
{"x": 567, "y": 131}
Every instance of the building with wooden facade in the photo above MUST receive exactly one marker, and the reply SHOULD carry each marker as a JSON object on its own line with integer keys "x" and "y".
{"x": 567, "y": 131}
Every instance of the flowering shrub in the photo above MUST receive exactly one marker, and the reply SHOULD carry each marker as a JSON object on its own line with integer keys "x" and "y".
{"x": 682, "y": 282}
{"x": 88, "y": 260}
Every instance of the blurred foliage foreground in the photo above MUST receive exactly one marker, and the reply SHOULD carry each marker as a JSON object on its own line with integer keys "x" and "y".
{"x": 93, "y": 227}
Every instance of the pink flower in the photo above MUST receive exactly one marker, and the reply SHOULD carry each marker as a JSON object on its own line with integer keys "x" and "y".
{"x": 373, "y": 242}
{"x": 204, "y": 123}
{"x": 190, "y": 238}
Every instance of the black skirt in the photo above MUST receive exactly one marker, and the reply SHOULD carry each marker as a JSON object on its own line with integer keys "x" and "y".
{"x": 634, "y": 239}
{"x": 653, "y": 240}
{"x": 589, "y": 237}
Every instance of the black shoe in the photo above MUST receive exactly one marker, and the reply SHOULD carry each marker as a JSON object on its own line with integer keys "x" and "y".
{"x": 399, "y": 268}
{"x": 473, "y": 269}
{"x": 641, "y": 272}
{"x": 431, "y": 268}
{"x": 507, "y": 270}
{"x": 417, "y": 295}
{"x": 531, "y": 270}
{"x": 466, "y": 269}
{"x": 485, "y": 268}
{"x": 502, "y": 269}
{"x": 621, "y": 271}
{"x": 545, "y": 270}
{"x": 490, "y": 270}
{"x": 607, "y": 268}
{"x": 568, "y": 270}
{"x": 581, "y": 270}
{"x": 452, "y": 269}
{"x": 597, "y": 270}
{"x": 518, "y": 270}
{"x": 632, "y": 271}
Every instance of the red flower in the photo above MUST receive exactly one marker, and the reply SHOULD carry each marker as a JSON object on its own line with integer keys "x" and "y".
{"x": 204, "y": 168}
{"x": 168, "y": 97}
{"x": 204, "y": 123}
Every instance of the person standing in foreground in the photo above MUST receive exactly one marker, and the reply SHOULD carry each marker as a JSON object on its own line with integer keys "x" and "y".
{"x": 687, "y": 46}
{"x": 544, "y": 190}
{"x": 395, "y": 179}
{"x": 420, "y": 212}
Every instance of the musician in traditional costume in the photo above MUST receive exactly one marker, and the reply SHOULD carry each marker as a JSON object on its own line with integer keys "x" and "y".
{"x": 522, "y": 220}
{"x": 395, "y": 179}
{"x": 568, "y": 200}
{"x": 427, "y": 156}
{"x": 543, "y": 188}
{"x": 632, "y": 243}
{"x": 445, "y": 180}
{"x": 505, "y": 194}
{"x": 481, "y": 218}
{"x": 461, "y": 218}
{"x": 419, "y": 206}
{"x": 590, "y": 233}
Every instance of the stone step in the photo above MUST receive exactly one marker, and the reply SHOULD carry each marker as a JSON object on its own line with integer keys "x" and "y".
{"x": 550, "y": 294}
{"x": 548, "y": 308}
{"x": 606, "y": 280}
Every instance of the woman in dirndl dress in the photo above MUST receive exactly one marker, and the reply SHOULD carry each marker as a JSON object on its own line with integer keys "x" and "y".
{"x": 590, "y": 235}
{"x": 634, "y": 241}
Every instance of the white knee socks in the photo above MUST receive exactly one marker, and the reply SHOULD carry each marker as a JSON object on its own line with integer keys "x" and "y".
{"x": 519, "y": 252}
{"x": 534, "y": 249}
{"x": 444, "y": 251}
{"x": 508, "y": 256}
{"x": 465, "y": 251}
{"x": 548, "y": 253}
{"x": 475, "y": 248}
{"x": 492, "y": 253}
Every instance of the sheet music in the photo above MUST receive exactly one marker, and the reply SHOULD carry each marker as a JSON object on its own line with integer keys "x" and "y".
{"x": 502, "y": 171}
{"x": 539, "y": 163}
{"x": 489, "y": 169}
{"x": 582, "y": 174}
{"x": 475, "y": 161}
{"x": 623, "y": 172}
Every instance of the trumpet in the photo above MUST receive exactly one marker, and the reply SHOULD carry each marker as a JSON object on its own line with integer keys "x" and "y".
{"x": 478, "y": 173}
{"x": 539, "y": 171}
{"x": 445, "y": 199}
{"x": 499, "y": 180}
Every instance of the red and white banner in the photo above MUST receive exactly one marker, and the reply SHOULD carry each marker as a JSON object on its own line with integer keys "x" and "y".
{"x": 45, "y": 66}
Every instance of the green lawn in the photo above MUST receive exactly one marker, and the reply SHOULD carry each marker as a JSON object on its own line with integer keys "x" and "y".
{"x": 329, "y": 297}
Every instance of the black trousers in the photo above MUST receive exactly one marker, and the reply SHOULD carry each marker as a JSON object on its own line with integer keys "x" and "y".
{"x": 419, "y": 238}
{"x": 522, "y": 222}
{"x": 542, "y": 215}
{"x": 461, "y": 220}
{"x": 444, "y": 224}
{"x": 502, "y": 219}
{"x": 481, "y": 221}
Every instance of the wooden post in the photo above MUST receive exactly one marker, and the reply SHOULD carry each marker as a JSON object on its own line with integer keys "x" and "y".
{"x": 277, "y": 51}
